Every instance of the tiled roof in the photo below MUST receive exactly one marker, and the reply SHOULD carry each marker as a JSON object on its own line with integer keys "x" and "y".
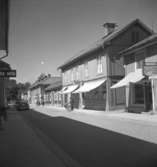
{"x": 103, "y": 41}
{"x": 54, "y": 85}
{"x": 46, "y": 81}
{"x": 148, "y": 40}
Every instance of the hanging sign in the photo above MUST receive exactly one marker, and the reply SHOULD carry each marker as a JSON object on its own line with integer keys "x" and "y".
{"x": 7, "y": 73}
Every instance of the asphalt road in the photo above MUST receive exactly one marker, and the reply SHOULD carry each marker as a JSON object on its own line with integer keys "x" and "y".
{"x": 91, "y": 146}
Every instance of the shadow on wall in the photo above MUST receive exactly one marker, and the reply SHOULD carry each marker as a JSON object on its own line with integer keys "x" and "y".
{"x": 92, "y": 146}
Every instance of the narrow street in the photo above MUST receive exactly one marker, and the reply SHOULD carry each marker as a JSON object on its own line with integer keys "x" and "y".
{"x": 89, "y": 146}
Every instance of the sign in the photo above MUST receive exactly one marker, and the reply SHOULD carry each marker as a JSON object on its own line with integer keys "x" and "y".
{"x": 149, "y": 70}
{"x": 7, "y": 73}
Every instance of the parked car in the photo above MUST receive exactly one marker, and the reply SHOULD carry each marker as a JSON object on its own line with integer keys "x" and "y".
{"x": 22, "y": 105}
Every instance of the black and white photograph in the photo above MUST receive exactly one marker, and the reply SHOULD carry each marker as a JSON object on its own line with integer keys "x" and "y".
{"x": 78, "y": 83}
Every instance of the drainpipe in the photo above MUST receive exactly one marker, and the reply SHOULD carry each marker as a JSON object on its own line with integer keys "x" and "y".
{"x": 153, "y": 96}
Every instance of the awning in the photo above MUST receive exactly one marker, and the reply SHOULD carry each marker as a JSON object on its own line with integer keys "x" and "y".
{"x": 70, "y": 89}
{"x": 88, "y": 86}
{"x": 131, "y": 77}
{"x": 63, "y": 89}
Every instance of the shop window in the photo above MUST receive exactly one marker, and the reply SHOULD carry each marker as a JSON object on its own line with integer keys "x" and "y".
{"x": 138, "y": 94}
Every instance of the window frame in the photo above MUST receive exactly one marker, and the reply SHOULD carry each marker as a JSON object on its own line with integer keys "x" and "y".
{"x": 99, "y": 64}
{"x": 86, "y": 69}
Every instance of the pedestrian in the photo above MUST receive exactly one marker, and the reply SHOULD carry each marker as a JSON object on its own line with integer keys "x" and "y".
{"x": 3, "y": 115}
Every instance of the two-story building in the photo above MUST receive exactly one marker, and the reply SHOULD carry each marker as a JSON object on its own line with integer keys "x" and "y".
{"x": 89, "y": 75}
{"x": 140, "y": 79}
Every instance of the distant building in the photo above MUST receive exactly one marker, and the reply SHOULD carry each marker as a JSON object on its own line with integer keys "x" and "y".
{"x": 140, "y": 79}
{"x": 37, "y": 90}
{"x": 53, "y": 95}
{"x": 89, "y": 75}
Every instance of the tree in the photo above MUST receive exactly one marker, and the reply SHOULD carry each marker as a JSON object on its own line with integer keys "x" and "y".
{"x": 14, "y": 93}
{"x": 41, "y": 77}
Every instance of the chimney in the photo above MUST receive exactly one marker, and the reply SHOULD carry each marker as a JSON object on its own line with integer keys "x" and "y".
{"x": 109, "y": 27}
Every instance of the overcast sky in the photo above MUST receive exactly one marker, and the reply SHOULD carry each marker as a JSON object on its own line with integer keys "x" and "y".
{"x": 45, "y": 33}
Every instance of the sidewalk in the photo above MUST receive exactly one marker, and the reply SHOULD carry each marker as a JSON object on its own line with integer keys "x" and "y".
{"x": 21, "y": 147}
{"x": 142, "y": 126}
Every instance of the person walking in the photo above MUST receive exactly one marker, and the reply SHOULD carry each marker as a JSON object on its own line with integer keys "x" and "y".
{"x": 3, "y": 115}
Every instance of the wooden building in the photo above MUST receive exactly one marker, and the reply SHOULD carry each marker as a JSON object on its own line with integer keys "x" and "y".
{"x": 53, "y": 95}
{"x": 140, "y": 79}
{"x": 37, "y": 90}
{"x": 88, "y": 76}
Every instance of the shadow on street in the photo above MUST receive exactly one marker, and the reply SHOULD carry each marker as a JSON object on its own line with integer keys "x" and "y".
{"x": 92, "y": 146}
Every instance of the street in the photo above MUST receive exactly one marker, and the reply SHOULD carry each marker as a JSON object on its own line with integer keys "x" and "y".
{"x": 90, "y": 146}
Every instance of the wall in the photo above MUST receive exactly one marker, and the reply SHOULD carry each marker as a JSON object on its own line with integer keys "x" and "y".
{"x": 34, "y": 93}
{"x": 151, "y": 53}
{"x": 92, "y": 68}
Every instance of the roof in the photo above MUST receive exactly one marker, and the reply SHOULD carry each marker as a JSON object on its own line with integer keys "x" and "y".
{"x": 104, "y": 41}
{"x": 45, "y": 82}
{"x": 144, "y": 43}
{"x": 54, "y": 85}
{"x": 3, "y": 65}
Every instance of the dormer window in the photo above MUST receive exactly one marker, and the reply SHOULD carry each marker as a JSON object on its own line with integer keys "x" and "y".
{"x": 135, "y": 36}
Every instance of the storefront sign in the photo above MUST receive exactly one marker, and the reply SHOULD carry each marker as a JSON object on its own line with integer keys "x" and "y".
{"x": 7, "y": 73}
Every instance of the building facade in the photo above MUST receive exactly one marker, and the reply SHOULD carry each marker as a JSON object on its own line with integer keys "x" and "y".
{"x": 140, "y": 79}
{"x": 88, "y": 76}
{"x": 37, "y": 90}
{"x": 53, "y": 95}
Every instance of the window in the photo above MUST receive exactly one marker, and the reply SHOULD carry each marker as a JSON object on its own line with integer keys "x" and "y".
{"x": 139, "y": 58}
{"x": 77, "y": 73}
{"x": 69, "y": 76}
{"x": 86, "y": 69}
{"x": 135, "y": 36}
{"x": 99, "y": 64}
{"x": 139, "y": 64}
{"x": 72, "y": 75}
{"x": 65, "y": 77}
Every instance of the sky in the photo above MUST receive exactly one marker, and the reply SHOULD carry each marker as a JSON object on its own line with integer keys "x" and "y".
{"x": 43, "y": 34}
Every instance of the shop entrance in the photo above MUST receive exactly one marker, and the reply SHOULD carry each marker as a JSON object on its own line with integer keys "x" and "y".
{"x": 148, "y": 96}
{"x": 141, "y": 97}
